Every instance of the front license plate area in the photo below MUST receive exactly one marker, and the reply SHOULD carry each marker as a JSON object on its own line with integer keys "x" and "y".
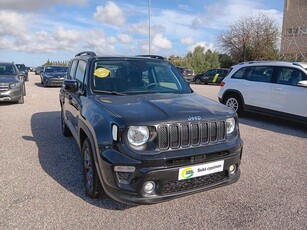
{"x": 200, "y": 170}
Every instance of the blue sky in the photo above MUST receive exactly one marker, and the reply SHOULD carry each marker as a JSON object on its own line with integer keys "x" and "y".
{"x": 33, "y": 31}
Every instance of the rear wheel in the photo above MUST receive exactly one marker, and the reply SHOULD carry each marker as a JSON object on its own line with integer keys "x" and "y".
{"x": 234, "y": 101}
{"x": 92, "y": 183}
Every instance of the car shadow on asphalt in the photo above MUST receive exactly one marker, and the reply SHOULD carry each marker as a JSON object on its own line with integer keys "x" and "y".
{"x": 274, "y": 124}
{"x": 60, "y": 158}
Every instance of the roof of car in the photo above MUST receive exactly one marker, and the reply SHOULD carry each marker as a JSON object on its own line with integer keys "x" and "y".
{"x": 273, "y": 63}
{"x": 91, "y": 54}
{"x": 7, "y": 63}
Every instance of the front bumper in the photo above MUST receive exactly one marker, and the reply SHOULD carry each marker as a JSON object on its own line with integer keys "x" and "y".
{"x": 53, "y": 81}
{"x": 129, "y": 187}
{"x": 11, "y": 95}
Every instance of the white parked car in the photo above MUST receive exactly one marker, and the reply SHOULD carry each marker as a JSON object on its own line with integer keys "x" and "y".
{"x": 273, "y": 87}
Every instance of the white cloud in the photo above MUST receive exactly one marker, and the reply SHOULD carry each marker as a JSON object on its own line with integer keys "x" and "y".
{"x": 110, "y": 14}
{"x": 30, "y": 5}
{"x": 139, "y": 28}
{"x": 159, "y": 41}
{"x": 223, "y": 13}
{"x": 124, "y": 38}
{"x": 187, "y": 40}
{"x": 12, "y": 23}
{"x": 206, "y": 45}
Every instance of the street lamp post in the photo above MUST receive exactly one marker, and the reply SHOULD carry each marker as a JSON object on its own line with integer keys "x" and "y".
{"x": 149, "y": 27}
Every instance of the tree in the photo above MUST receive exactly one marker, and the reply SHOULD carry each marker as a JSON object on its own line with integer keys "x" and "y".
{"x": 201, "y": 61}
{"x": 251, "y": 38}
{"x": 198, "y": 60}
{"x": 225, "y": 61}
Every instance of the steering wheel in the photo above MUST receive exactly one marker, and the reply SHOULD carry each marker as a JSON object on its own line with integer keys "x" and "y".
{"x": 151, "y": 85}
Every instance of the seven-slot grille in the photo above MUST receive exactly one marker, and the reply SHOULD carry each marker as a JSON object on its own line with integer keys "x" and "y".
{"x": 186, "y": 134}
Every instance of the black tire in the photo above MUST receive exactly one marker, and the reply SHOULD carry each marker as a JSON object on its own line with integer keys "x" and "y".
{"x": 234, "y": 101}
{"x": 21, "y": 100}
{"x": 24, "y": 90}
{"x": 92, "y": 183}
{"x": 197, "y": 81}
{"x": 65, "y": 130}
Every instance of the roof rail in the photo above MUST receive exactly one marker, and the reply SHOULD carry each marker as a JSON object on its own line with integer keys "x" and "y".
{"x": 263, "y": 61}
{"x": 86, "y": 53}
{"x": 151, "y": 56}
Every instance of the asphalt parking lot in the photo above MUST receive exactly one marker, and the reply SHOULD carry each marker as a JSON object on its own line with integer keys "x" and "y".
{"x": 41, "y": 185}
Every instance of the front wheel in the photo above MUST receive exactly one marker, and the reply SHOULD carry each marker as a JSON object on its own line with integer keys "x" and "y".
{"x": 92, "y": 183}
{"x": 234, "y": 101}
{"x": 197, "y": 81}
{"x": 21, "y": 100}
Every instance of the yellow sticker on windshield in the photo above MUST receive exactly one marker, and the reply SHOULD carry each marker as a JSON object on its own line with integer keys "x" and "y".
{"x": 102, "y": 72}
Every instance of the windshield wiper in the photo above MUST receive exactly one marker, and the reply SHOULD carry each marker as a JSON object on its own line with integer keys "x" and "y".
{"x": 109, "y": 92}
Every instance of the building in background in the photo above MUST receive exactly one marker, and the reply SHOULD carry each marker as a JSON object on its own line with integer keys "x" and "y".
{"x": 294, "y": 30}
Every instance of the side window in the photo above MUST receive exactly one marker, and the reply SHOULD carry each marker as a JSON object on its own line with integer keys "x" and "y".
{"x": 290, "y": 76}
{"x": 80, "y": 73}
{"x": 72, "y": 70}
{"x": 262, "y": 73}
{"x": 210, "y": 72}
{"x": 241, "y": 73}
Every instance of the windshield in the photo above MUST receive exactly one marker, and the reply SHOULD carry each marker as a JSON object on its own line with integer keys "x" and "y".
{"x": 7, "y": 69}
{"x": 137, "y": 76}
{"x": 55, "y": 69}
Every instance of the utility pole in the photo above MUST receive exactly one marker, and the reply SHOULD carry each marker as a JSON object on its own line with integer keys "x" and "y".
{"x": 149, "y": 48}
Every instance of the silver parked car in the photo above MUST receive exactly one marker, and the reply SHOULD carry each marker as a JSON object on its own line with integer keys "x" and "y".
{"x": 12, "y": 85}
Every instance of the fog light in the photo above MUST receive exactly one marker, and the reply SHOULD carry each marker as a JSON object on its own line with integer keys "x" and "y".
{"x": 149, "y": 186}
{"x": 232, "y": 169}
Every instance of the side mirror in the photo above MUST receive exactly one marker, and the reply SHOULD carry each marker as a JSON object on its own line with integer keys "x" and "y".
{"x": 70, "y": 86}
{"x": 21, "y": 77}
{"x": 302, "y": 84}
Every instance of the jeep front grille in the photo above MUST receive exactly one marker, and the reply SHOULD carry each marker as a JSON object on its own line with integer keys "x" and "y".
{"x": 184, "y": 135}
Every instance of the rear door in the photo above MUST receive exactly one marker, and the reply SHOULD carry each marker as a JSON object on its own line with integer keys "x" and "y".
{"x": 257, "y": 87}
{"x": 286, "y": 96}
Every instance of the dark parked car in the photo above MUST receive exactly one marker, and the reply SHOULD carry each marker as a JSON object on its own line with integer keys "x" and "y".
{"x": 211, "y": 76}
{"x": 186, "y": 72}
{"x": 12, "y": 86}
{"x": 23, "y": 70}
{"x": 144, "y": 135}
{"x": 38, "y": 70}
{"x": 53, "y": 75}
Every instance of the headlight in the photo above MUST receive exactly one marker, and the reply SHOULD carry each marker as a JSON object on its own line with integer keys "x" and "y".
{"x": 230, "y": 125}
{"x": 14, "y": 85}
{"x": 138, "y": 135}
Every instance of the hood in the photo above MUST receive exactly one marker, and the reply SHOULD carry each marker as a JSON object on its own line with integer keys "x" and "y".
{"x": 157, "y": 108}
{"x": 8, "y": 79}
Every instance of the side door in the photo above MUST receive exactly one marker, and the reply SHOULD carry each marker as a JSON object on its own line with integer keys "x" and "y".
{"x": 68, "y": 109}
{"x": 286, "y": 96}
{"x": 257, "y": 88}
{"x": 219, "y": 76}
{"x": 74, "y": 99}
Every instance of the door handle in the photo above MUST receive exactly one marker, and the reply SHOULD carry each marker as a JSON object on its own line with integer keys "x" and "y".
{"x": 278, "y": 89}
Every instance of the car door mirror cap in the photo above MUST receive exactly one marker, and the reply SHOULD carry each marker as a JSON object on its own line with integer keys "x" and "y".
{"x": 70, "y": 86}
{"x": 302, "y": 83}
